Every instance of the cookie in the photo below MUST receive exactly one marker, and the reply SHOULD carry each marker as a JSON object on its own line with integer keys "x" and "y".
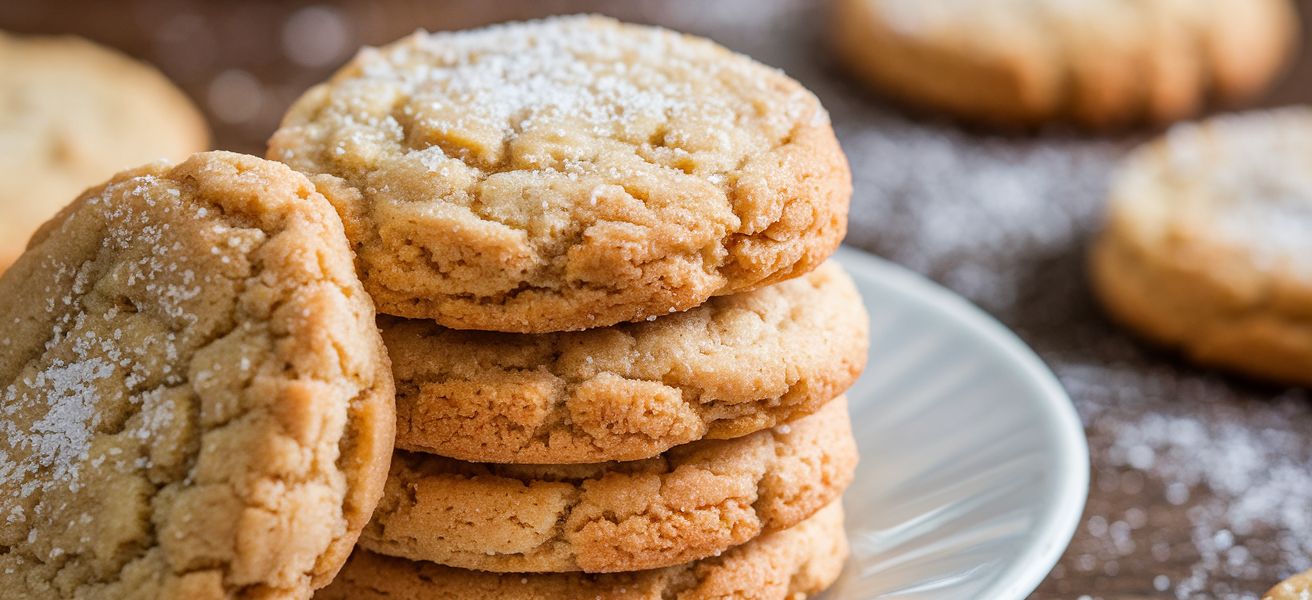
{"x": 1298, "y": 587}
{"x": 1208, "y": 243}
{"x": 787, "y": 565}
{"x": 73, "y": 113}
{"x": 691, "y": 502}
{"x": 734, "y": 365}
{"x": 1096, "y": 63}
{"x": 570, "y": 173}
{"x": 196, "y": 402}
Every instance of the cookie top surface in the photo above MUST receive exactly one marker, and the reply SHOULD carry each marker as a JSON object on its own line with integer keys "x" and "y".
{"x": 734, "y": 365}
{"x": 791, "y": 564}
{"x": 1099, "y": 64}
{"x": 693, "y": 501}
{"x": 570, "y": 173}
{"x": 1235, "y": 190}
{"x": 196, "y": 402}
{"x": 73, "y": 113}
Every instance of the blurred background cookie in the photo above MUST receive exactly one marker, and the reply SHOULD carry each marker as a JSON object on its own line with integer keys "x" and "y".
{"x": 570, "y": 173}
{"x": 73, "y": 113}
{"x": 1208, "y": 243}
{"x": 1098, "y": 63}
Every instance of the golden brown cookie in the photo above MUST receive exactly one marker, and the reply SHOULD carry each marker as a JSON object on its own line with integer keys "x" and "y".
{"x": 792, "y": 564}
{"x": 1298, "y": 587}
{"x": 1208, "y": 243}
{"x": 691, "y": 502}
{"x": 196, "y": 402}
{"x": 73, "y": 113}
{"x": 570, "y": 173}
{"x": 734, "y": 365}
{"x": 1100, "y": 64}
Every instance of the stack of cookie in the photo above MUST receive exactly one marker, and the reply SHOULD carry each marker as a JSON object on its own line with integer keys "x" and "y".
{"x": 618, "y": 349}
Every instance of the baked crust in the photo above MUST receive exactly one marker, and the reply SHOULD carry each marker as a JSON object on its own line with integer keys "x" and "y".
{"x": 694, "y": 501}
{"x": 792, "y": 564}
{"x": 727, "y": 368}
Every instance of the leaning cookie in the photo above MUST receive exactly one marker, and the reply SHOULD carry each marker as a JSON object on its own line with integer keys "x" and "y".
{"x": 570, "y": 173}
{"x": 196, "y": 401}
{"x": 691, "y": 502}
{"x": 792, "y": 564}
{"x": 1298, "y": 587}
{"x": 734, "y": 365}
{"x": 72, "y": 114}
{"x": 1208, "y": 243}
{"x": 1093, "y": 62}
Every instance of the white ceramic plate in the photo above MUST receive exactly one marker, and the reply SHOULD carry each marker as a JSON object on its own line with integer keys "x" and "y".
{"x": 974, "y": 466}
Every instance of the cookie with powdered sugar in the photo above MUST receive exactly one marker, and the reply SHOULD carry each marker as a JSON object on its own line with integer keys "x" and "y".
{"x": 694, "y": 501}
{"x": 1093, "y": 62}
{"x": 734, "y": 365}
{"x": 569, "y": 173}
{"x": 196, "y": 402}
{"x": 793, "y": 564}
{"x": 1208, "y": 243}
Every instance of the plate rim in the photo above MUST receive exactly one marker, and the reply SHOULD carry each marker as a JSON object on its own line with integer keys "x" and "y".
{"x": 1070, "y": 488}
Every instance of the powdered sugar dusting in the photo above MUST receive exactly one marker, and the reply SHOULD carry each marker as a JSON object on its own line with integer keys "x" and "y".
{"x": 515, "y": 76}
{"x": 1257, "y": 478}
{"x": 1248, "y": 178}
{"x": 62, "y": 437}
{"x": 99, "y": 401}
{"x": 88, "y": 362}
{"x": 1007, "y": 198}
{"x": 571, "y": 70}
{"x": 1217, "y": 496}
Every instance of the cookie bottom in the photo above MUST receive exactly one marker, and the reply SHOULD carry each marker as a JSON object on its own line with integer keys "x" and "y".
{"x": 788, "y": 565}
{"x": 1180, "y": 306}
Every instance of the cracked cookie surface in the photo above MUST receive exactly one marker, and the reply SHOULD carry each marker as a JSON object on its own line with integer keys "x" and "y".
{"x": 73, "y": 113}
{"x": 569, "y": 173}
{"x": 1208, "y": 243}
{"x": 691, "y": 502}
{"x": 1099, "y": 64}
{"x": 196, "y": 401}
{"x": 792, "y": 564}
{"x": 734, "y": 365}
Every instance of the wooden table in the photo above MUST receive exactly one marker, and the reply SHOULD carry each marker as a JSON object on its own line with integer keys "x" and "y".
{"x": 1202, "y": 486}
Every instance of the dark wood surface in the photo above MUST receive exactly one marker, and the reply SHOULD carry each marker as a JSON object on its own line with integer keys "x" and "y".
{"x": 1201, "y": 487}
